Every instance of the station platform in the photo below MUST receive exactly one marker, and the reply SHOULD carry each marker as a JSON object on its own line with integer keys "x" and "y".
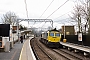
{"x": 20, "y": 51}
{"x": 26, "y": 52}
{"x": 76, "y": 46}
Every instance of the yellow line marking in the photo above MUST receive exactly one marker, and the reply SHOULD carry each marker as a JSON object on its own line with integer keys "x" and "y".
{"x": 21, "y": 52}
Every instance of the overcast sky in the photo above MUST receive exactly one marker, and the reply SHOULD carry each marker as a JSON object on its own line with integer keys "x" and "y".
{"x": 36, "y": 8}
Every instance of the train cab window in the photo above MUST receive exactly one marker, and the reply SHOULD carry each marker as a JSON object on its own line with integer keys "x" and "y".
{"x": 51, "y": 34}
{"x": 57, "y": 34}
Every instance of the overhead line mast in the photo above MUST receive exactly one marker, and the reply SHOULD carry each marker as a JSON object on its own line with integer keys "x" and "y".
{"x": 26, "y": 8}
{"x": 26, "y": 11}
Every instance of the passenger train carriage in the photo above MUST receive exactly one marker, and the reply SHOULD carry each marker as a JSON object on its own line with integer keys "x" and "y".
{"x": 51, "y": 38}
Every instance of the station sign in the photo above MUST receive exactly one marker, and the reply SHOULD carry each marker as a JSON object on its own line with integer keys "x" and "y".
{"x": 79, "y": 36}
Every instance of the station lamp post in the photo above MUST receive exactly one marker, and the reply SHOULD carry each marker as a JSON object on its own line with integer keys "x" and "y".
{"x": 18, "y": 28}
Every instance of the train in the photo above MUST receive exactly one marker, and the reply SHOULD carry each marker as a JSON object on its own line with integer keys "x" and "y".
{"x": 51, "y": 38}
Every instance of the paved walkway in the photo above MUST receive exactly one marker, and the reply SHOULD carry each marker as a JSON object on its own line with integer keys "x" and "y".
{"x": 14, "y": 52}
{"x": 20, "y": 51}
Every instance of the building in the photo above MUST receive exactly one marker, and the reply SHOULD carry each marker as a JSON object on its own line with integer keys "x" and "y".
{"x": 69, "y": 30}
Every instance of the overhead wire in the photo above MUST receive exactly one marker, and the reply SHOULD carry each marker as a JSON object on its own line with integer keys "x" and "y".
{"x": 65, "y": 18}
{"x": 46, "y": 8}
{"x": 63, "y": 14}
{"x": 57, "y": 8}
{"x": 33, "y": 24}
{"x": 65, "y": 21}
{"x": 43, "y": 24}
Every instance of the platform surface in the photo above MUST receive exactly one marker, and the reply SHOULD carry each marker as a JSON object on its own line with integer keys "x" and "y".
{"x": 20, "y": 51}
{"x": 76, "y": 46}
{"x": 26, "y": 52}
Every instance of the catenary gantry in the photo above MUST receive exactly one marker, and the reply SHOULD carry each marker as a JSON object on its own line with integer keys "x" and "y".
{"x": 37, "y": 20}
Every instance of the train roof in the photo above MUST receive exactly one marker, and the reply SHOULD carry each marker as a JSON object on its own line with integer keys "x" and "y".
{"x": 50, "y": 31}
{"x": 54, "y": 30}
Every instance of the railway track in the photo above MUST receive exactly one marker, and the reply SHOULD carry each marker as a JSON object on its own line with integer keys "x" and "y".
{"x": 43, "y": 52}
{"x": 39, "y": 52}
{"x": 66, "y": 55}
{"x": 78, "y": 55}
{"x": 69, "y": 55}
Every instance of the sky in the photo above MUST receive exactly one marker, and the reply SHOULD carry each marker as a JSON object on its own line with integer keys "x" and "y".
{"x": 36, "y": 8}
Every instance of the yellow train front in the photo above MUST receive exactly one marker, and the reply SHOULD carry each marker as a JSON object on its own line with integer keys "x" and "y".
{"x": 51, "y": 38}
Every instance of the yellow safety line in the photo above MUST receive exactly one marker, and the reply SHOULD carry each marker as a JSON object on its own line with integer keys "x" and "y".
{"x": 21, "y": 51}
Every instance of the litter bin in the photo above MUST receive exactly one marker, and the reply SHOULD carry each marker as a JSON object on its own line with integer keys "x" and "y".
{"x": 7, "y": 47}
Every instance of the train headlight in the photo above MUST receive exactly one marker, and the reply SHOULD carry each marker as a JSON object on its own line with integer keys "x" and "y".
{"x": 49, "y": 40}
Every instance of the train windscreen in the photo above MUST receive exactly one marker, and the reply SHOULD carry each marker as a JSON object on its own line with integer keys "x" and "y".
{"x": 57, "y": 34}
{"x": 51, "y": 34}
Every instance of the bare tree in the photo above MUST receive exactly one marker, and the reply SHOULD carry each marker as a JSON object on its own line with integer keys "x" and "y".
{"x": 9, "y": 18}
{"x": 77, "y": 16}
{"x": 86, "y": 14}
{"x": 82, "y": 13}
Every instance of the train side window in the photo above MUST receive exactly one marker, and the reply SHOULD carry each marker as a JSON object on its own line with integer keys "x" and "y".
{"x": 51, "y": 34}
{"x": 57, "y": 34}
